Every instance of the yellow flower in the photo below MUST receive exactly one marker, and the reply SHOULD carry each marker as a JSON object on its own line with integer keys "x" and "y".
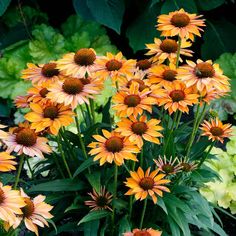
{"x": 112, "y": 147}
{"x": 143, "y": 232}
{"x": 21, "y": 101}
{"x": 177, "y": 97}
{"x": 38, "y": 94}
{"x": 137, "y": 129}
{"x": 132, "y": 102}
{"x": 78, "y": 64}
{"x": 180, "y": 23}
{"x": 49, "y": 116}
{"x": 6, "y": 162}
{"x": 141, "y": 185}
{"x": 10, "y": 204}
{"x": 204, "y": 75}
{"x": 115, "y": 66}
{"x": 161, "y": 50}
{"x": 216, "y": 130}
{"x": 42, "y": 73}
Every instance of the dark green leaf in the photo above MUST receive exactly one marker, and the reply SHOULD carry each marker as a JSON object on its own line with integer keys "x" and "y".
{"x": 124, "y": 225}
{"x": 207, "y": 5}
{"x": 173, "y": 5}
{"x": 91, "y": 228}
{"x": 94, "y": 180}
{"x": 3, "y": 6}
{"x": 87, "y": 163}
{"x": 161, "y": 203}
{"x": 58, "y": 186}
{"x": 94, "y": 215}
{"x": 219, "y": 37}
{"x": 145, "y": 23}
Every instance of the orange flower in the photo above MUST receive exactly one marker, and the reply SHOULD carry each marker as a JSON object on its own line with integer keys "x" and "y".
{"x": 21, "y": 101}
{"x": 143, "y": 232}
{"x": 35, "y": 212}
{"x": 78, "y": 64}
{"x": 141, "y": 185}
{"x": 42, "y": 73}
{"x": 177, "y": 97}
{"x": 6, "y": 162}
{"x": 10, "y": 204}
{"x": 74, "y": 91}
{"x": 132, "y": 102}
{"x": 144, "y": 65}
{"x": 50, "y": 116}
{"x": 167, "y": 49}
{"x": 38, "y": 93}
{"x": 163, "y": 75}
{"x": 180, "y": 23}
{"x": 25, "y": 140}
{"x": 100, "y": 200}
{"x": 137, "y": 129}
{"x": 115, "y": 66}
{"x": 215, "y": 130}
{"x": 112, "y": 147}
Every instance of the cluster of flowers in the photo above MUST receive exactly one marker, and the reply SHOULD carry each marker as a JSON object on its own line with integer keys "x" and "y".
{"x": 60, "y": 87}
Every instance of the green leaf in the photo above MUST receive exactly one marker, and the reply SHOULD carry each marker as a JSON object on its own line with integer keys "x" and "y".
{"x": 4, "y": 5}
{"x": 124, "y": 225}
{"x": 207, "y": 5}
{"x": 161, "y": 204}
{"x": 219, "y": 37}
{"x": 87, "y": 163}
{"x": 94, "y": 215}
{"x": 94, "y": 180}
{"x": 58, "y": 185}
{"x": 145, "y": 23}
{"x": 47, "y": 44}
{"x": 108, "y": 13}
{"x": 91, "y": 228}
{"x": 173, "y": 5}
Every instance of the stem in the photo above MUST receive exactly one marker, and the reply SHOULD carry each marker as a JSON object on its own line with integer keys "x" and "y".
{"x": 171, "y": 131}
{"x": 130, "y": 206}
{"x": 143, "y": 213}
{"x": 30, "y": 169}
{"x": 63, "y": 156}
{"x": 58, "y": 165}
{"x": 89, "y": 114}
{"x": 92, "y": 109}
{"x": 207, "y": 154}
{"x": 178, "y": 119}
{"x": 193, "y": 132}
{"x": 22, "y": 158}
{"x": 82, "y": 112}
{"x": 114, "y": 197}
{"x": 141, "y": 157}
{"x": 178, "y": 52}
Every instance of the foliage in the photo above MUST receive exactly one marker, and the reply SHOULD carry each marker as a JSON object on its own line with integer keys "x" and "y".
{"x": 223, "y": 192}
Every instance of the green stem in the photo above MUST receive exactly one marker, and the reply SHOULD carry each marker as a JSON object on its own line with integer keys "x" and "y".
{"x": 89, "y": 114}
{"x": 58, "y": 165}
{"x": 178, "y": 119}
{"x": 192, "y": 136}
{"x": 130, "y": 206}
{"x": 207, "y": 154}
{"x": 83, "y": 114}
{"x": 91, "y": 102}
{"x": 114, "y": 197}
{"x": 141, "y": 157}
{"x": 30, "y": 169}
{"x": 63, "y": 156}
{"x": 22, "y": 158}
{"x": 178, "y": 52}
{"x": 143, "y": 213}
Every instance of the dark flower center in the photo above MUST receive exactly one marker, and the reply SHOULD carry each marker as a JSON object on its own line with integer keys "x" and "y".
{"x": 26, "y": 137}
{"x": 146, "y": 183}
{"x": 169, "y": 46}
{"x": 142, "y": 233}
{"x": 85, "y": 81}
{"x": 73, "y": 86}
{"x": 85, "y": 57}
{"x": 186, "y": 166}
{"x": 43, "y": 92}
{"x": 216, "y": 131}
{"x": 180, "y": 20}
{"x": 28, "y": 209}
{"x": 113, "y": 65}
{"x": 132, "y": 100}
{"x": 101, "y": 201}
{"x": 139, "y": 128}
{"x": 177, "y": 95}
{"x": 169, "y": 75}
{"x": 204, "y": 70}
{"x": 114, "y": 144}
{"x": 167, "y": 168}
{"x": 142, "y": 85}
{"x": 51, "y": 112}
{"x": 49, "y": 70}
{"x": 143, "y": 64}
{"x": 2, "y": 197}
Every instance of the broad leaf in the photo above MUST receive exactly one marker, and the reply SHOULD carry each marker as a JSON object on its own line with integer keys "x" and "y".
{"x": 173, "y": 5}
{"x": 207, "y": 5}
{"x": 94, "y": 215}
{"x": 3, "y": 6}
